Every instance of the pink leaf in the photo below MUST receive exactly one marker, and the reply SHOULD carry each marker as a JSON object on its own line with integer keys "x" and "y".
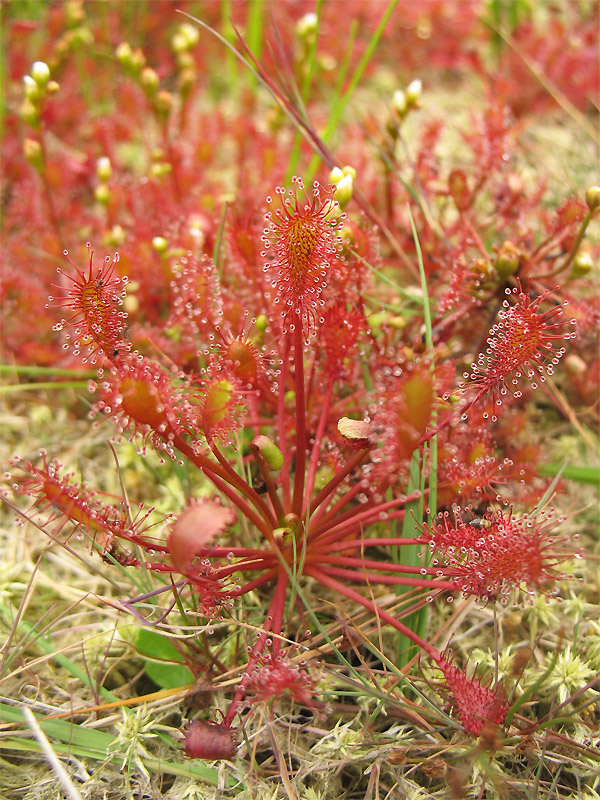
{"x": 194, "y": 528}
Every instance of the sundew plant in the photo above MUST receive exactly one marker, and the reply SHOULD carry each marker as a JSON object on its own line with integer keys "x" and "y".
{"x": 301, "y": 346}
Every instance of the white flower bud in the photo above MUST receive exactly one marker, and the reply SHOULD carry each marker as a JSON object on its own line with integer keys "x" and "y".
{"x": 103, "y": 169}
{"x": 306, "y": 25}
{"x": 399, "y": 102}
{"x": 31, "y": 89}
{"x": 413, "y": 92}
{"x": 40, "y": 72}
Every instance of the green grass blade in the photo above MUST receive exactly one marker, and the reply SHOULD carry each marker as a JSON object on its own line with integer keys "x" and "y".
{"x": 79, "y": 740}
{"x": 32, "y": 369}
{"x": 33, "y": 387}
{"x": 64, "y": 662}
{"x": 342, "y": 101}
{"x": 579, "y": 474}
{"x": 423, "y": 614}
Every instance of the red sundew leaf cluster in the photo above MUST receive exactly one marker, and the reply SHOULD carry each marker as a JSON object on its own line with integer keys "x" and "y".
{"x": 246, "y": 362}
{"x": 237, "y": 345}
{"x": 338, "y": 334}
{"x": 97, "y": 320}
{"x": 277, "y": 676}
{"x": 61, "y": 497}
{"x": 477, "y": 705}
{"x": 468, "y": 469}
{"x": 493, "y": 555}
{"x": 403, "y": 416}
{"x": 222, "y": 408}
{"x": 78, "y": 504}
{"x": 302, "y": 233}
{"x": 143, "y": 397}
{"x": 522, "y": 344}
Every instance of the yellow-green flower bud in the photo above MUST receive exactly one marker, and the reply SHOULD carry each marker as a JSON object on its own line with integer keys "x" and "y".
{"x": 187, "y": 36}
{"x": 138, "y": 60}
{"x": 272, "y": 455}
{"x": 347, "y": 170}
{"x": 29, "y": 113}
{"x": 178, "y": 43}
{"x": 83, "y": 36}
{"x": 186, "y": 81}
{"x": 31, "y": 89}
{"x": 149, "y": 80}
{"x": 163, "y": 103}
{"x": 396, "y": 322}
{"x": 115, "y": 237}
{"x": 103, "y": 169}
{"x": 52, "y": 87}
{"x": 592, "y": 197}
{"x": 160, "y": 244}
{"x": 262, "y": 323}
{"x": 343, "y": 191}
{"x": 185, "y": 60}
{"x": 102, "y": 194}
{"x": 582, "y": 264}
{"x": 75, "y": 12}
{"x": 160, "y": 169}
{"x": 507, "y": 260}
{"x": 575, "y": 366}
{"x": 336, "y": 175}
{"x": 32, "y": 150}
{"x": 124, "y": 54}
{"x": 307, "y": 25}
{"x": 40, "y": 72}
{"x": 399, "y": 103}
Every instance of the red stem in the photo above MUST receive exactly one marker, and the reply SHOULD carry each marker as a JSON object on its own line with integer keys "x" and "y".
{"x": 394, "y": 580}
{"x": 314, "y": 456}
{"x": 340, "y": 476}
{"x": 245, "y": 488}
{"x": 354, "y": 543}
{"x": 254, "y": 584}
{"x": 213, "y": 472}
{"x": 272, "y": 625}
{"x": 299, "y": 475}
{"x": 346, "y": 591}
{"x": 282, "y": 426}
{"x": 342, "y": 524}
